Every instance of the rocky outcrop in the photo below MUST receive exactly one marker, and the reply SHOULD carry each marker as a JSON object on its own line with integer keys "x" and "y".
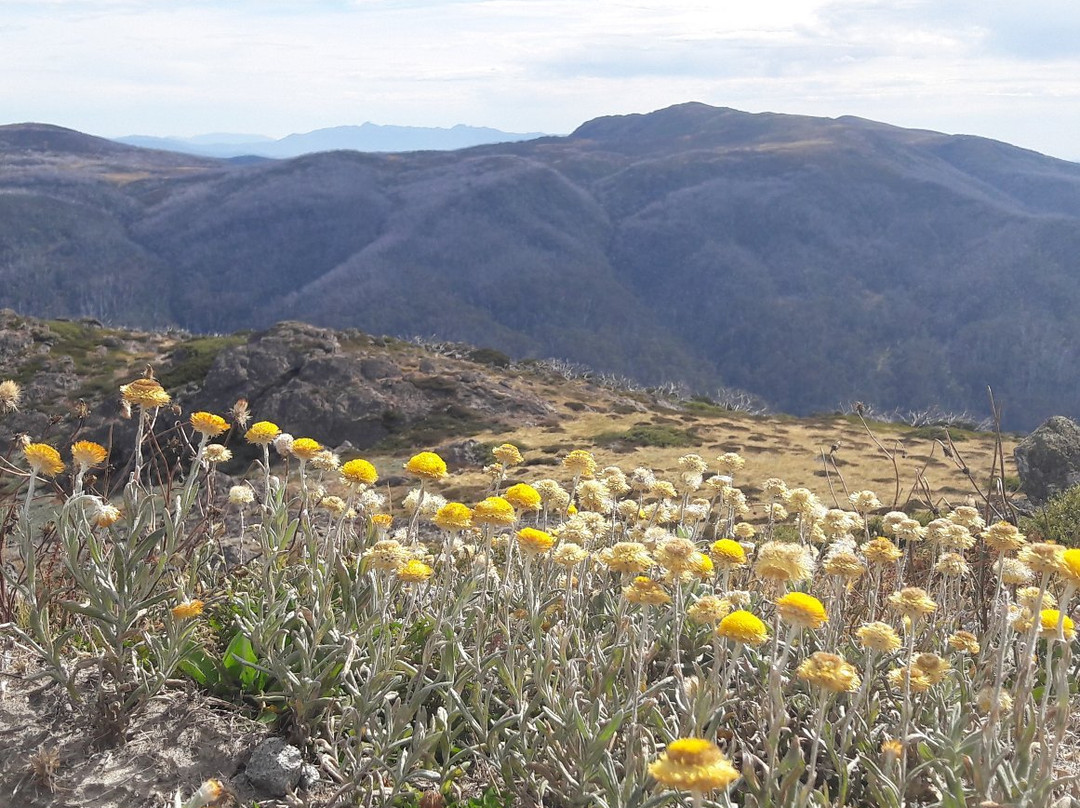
{"x": 348, "y": 387}
{"x": 1048, "y": 460}
{"x": 343, "y": 388}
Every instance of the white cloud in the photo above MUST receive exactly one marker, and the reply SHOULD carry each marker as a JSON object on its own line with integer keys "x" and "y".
{"x": 277, "y": 66}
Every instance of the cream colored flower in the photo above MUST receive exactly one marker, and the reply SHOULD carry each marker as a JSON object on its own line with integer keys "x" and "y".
{"x": 830, "y": 672}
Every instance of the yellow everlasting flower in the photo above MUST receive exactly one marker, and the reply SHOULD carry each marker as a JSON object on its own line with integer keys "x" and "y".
{"x": 912, "y": 602}
{"x": 801, "y": 610}
{"x": 1004, "y": 538}
{"x": 1029, "y": 596}
{"x": 1071, "y": 570}
{"x": 742, "y": 626}
{"x": 569, "y": 554}
{"x": 709, "y": 610}
{"x": 427, "y": 465}
{"x": 701, "y": 566}
{"x": 534, "y": 542}
{"x": 891, "y": 749}
{"x": 878, "y": 637}
{"x": 359, "y": 472}
{"x": 306, "y": 448}
{"x": 914, "y": 676}
{"x": 144, "y": 393}
{"x": 87, "y": 454}
{"x": 414, "y": 572}
{"x": 984, "y": 701}
{"x": 453, "y": 516}
{"x": 844, "y": 564}
{"x": 952, "y": 565}
{"x": 580, "y": 463}
{"x": 382, "y": 521}
{"x": 387, "y": 555}
{"x": 187, "y": 609}
{"x": 881, "y": 551}
{"x": 209, "y": 792}
{"x": 494, "y": 511}
{"x": 626, "y": 557}
{"x": 1048, "y": 625}
{"x": 964, "y": 642}
{"x": 523, "y": 497}
{"x": 107, "y": 515}
{"x": 693, "y": 764}
{"x": 206, "y": 423}
{"x": 933, "y": 666}
{"x": 43, "y": 459}
{"x": 674, "y": 553}
{"x": 508, "y": 454}
{"x": 646, "y": 592}
{"x": 728, "y": 553}
{"x": 782, "y": 562}
{"x": 1043, "y": 557}
{"x": 262, "y": 433}
{"x": 829, "y": 671}
{"x": 336, "y": 505}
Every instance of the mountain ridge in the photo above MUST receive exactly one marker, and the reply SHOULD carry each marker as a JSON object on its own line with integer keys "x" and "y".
{"x": 810, "y": 261}
{"x": 366, "y": 137}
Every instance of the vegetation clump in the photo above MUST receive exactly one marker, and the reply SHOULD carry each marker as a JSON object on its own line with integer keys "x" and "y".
{"x": 578, "y": 640}
{"x": 658, "y": 436}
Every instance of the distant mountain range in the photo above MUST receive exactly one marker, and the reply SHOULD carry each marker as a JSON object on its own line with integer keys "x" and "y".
{"x": 811, "y": 261}
{"x": 368, "y": 137}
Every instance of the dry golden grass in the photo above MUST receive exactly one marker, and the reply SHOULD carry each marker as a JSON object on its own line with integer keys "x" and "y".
{"x": 797, "y": 450}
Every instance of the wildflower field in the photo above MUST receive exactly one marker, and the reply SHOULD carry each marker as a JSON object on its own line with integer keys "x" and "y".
{"x": 575, "y": 634}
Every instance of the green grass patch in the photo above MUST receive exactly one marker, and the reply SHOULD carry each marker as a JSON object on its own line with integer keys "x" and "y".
{"x": 1057, "y": 521}
{"x": 938, "y": 433}
{"x": 453, "y": 421}
{"x": 190, "y": 361}
{"x": 659, "y": 436}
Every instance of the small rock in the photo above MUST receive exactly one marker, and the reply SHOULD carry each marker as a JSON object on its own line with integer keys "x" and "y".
{"x": 1048, "y": 460}
{"x": 275, "y": 767}
{"x": 309, "y": 776}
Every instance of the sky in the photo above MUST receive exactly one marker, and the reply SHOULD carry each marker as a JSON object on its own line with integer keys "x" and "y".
{"x": 1005, "y": 70}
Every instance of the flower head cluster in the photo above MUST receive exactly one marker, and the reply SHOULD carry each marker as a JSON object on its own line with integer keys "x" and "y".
{"x": 580, "y": 463}
{"x": 801, "y": 610}
{"x": 453, "y": 516}
{"x": 145, "y": 393}
{"x": 10, "y": 395}
{"x": 912, "y": 602}
{"x": 830, "y": 672}
{"x": 508, "y": 454}
{"x": 206, "y": 423}
{"x": 534, "y": 542}
{"x": 743, "y": 626}
{"x": 523, "y": 497}
{"x": 626, "y": 557}
{"x": 494, "y": 511}
{"x": 728, "y": 553}
{"x": 86, "y": 454}
{"x": 387, "y": 555}
{"x": 646, "y": 592}
{"x": 262, "y": 433}
{"x": 414, "y": 571}
{"x": 358, "y": 472}
{"x": 879, "y": 637}
{"x": 427, "y": 466}
{"x": 693, "y": 764}
{"x": 709, "y": 610}
{"x": 187, "y": 609}
{"x": 43, "y": 459}
{"x": 783, "y": 562}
